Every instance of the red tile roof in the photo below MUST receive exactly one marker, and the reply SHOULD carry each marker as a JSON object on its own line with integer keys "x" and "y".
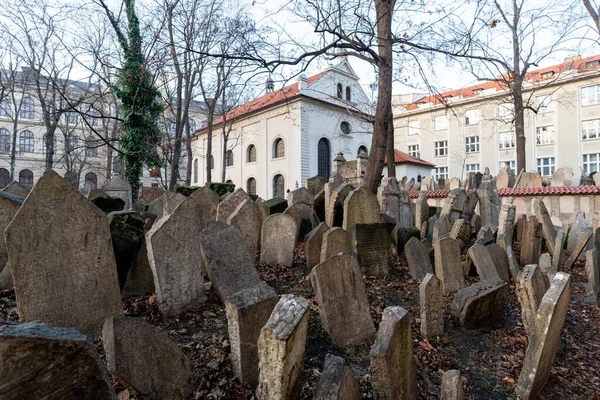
{"x": 540, "y": 191}
{"x": 538, "y": 75}
{"x": 401, "y": 157}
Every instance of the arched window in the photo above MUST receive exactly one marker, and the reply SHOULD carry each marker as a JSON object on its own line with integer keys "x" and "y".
{"x": 4, "y": 177}
{"x": 278, "y": 148}
{"x": 91, "y": 148}
{"x": 192, "y": 125}
{"x": 4, "y": 141}
{"x": 229, "y": 158}
{"x": 251, "y": 186}
{"x": 324, "y": 158}
{"x": 196, "y": 170}
{"x": 71, "y": 177}
{"x": 27, "y": 109}
{"x": 26, "y": 178}
{"x": 362, "y": 149}
{"x": 340, "y": 91}
{"x": 44, "y": 149}
{"x": 26, "y": 142}
{"x": 251, "y": 154}
{"x": 91, "y": 180}
{"x": 212, "y": 162}
{"x": 348, "y": 93}
{"x": 228, "y": 181}
{"x": 5, "y": 108}
{"x": 278, "y": 186}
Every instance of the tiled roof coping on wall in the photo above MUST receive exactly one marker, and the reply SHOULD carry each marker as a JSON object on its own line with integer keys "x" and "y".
{"x": 540, "y": 191}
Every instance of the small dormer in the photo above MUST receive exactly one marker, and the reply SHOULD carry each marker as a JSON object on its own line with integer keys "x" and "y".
{"x": 592, "y": 64}
{"x": 547, "y": 74}
{"x": 477, "y": 91}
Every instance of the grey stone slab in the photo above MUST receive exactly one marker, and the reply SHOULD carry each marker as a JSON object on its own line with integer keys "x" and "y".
{"x": 417, "y": 256}
{"x": 248, "y": 220}
{"x": 228, "y": 205}
{"x": 278, "y": 240}
{"x": 335, "y": 241}
{"x": 533, "y": 284}
{"x": 448, "y": 266}
{"x": 480, "y": 305}
{"x": 369, "y": 242}
{"x": 337, "y": 381}
{"x": 431, "y": 302}
{"x": 314, "y": 245}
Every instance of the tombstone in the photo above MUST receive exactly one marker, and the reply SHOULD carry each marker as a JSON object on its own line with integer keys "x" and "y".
{"x": 531, "y": 241}
{"x": 319, "y": 202}
{"x": 361, "y": 207}
{"x": 58, "y": 233}
{"x": 173, "y": 246}
{"x": 442, "y": 227}
{"x": 335, "y": 241}
{"x": 17, "y": 189}
{"x": 448, "y": 266}
{"x": 337, "y": 381}
{"x": 486, "y": 267}
{"x": 369, "y": 243}
{"x": 6, "y": 280}
{"x": 405, "y": 216}
{"x": 475, "y": 224}
{"x": 558, "y": 248}
{"x": 315, "y": 185}
{"x": 388, "y": 196}
{"x": 171, "y": 202}
{"x": 281, "y": 349}
{"x": 119, "y": 187}
{"x": 461, "y": 232}
{"x": 454, "y": 183}
{"x": 343, "y": 304}
{"x": 248, "y": 220}
{"x": 505, "y": 178}
{"x": 146, "y": 358}
{"x": 489, "y": 204}
{"x": 228, "y": 265}
{"x": 275, "y": 205}
{"x": 302, "y": 225}
{"x": 45, "y": 362}
{"x": 548, "y": 231}
{"x": 208, "y": 202}
{"x": 541, "y": 352}
{"x": 402, "y": 236}
{"x": 247, "y": 312}
{"x": 545, "y": 264}
{"x": 427, "y": 184}
{"x": 127, "y": 233}
{"x": 140, "y": 280}
{"x": 421, "y": 210}
{"x": 596, "y": 179}
{"x": 417, "y": 256}
{"x": 563, "y": 176}
{"x": 278, "y": 240}
{"x": 314, "y": 245}
{"x": 408, "y": 185}
{"x": 500, "y": 259}
{"x": 480, "y": 305}
{"x": 506, "y": 220}
{"x": 579, "y": 229}
{"x": 334, "y": 209}
{"x": 454, "y": 204}
{"x": 156, "y": 207}
{"x": 577, "y": 175}
{"x": 302, "y": 198}
{"x": 431, "y": 303}
{"x": 230, "y": 204}
{"x": 532, "y": 285}
{"x": 393, "y": 370}
{"x": 335, "y": 181}
{"x": 9, "y": 205}
{"x": 451, "y": 386}
{"x": 592, "y": 270}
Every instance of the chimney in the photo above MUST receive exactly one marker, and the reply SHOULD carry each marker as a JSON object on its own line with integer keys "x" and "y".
{"x": 302, "y": 82}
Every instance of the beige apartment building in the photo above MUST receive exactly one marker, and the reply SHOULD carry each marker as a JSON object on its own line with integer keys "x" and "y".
{"x": 469, "y": 129}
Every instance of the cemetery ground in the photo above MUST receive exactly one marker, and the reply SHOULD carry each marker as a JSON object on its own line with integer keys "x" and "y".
{"x": 490, "y": 359}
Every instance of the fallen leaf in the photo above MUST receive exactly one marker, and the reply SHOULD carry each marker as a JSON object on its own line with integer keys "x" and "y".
{"x": 425, "y": 345}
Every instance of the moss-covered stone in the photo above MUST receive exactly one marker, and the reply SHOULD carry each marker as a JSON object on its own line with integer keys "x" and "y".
{"x": 108, "y": 204}
{"x": 221, "y": 188}
{"x": 403, "y": 235}
{"x": 276, "y": 205}
{"x": 186, "y": 190}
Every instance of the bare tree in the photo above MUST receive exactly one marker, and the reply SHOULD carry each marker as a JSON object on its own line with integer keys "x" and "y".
{"x": 593, "y": 9}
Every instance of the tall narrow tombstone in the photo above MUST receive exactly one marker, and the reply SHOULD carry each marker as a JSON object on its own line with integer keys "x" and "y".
{"x": 140, "y": 280}
{"x": 480, "y": 305}
{"x": 506, "y": 219}
{"x": 247, "y": 219}
{"x": 57, "y": 233}
{"x": 405, "y": 216}
{"x": 45, "y": 362}
{"x": 548, "y": 231}
{"x": 247, "y": 312}
{"x": 592, "y": 270}
{"x": 173, "y": 246}
{"x": 461, "y": 232}
{"x": 489, "y": 203}
{"x": 452, "y": 386}
{"x": 579, "y": 229}
{"x": 229, "y": 204}
{"x": 334, "y": 208}
{"x": 369, "y": 242}
{"x": 281, "y": 349}
{"x": 361, "y": 207}
{"x": 533, "y": 284}
{"x": 278, "y": 239}
{"x": 454, "y": 204}
{"x": 207, "y": 201}
{"x": 343, "y": 304}
{"x": 442, "y": 227}
{"x": 558, "y": 253}
{"x": 228, "y": 265}
{"x": 388, "y": 196}
{"x": 500, "y": 260}
{"x": 127, "y": 233}
{"x": 9, "y": 205}
{"x": 335, "y": 241}
{"x": 393, "y": 369}
{"x": 505, "y": 178}
{"x": 417, "y": 256}
{"x": 337, "y": 381}
{"x": 531, "y": 241}
{"x": 542, "y": 351}
{"x": 314, "y": 245}
{"x": 431, "y": 302}
{"x": 157, "y": 206}
{"x": 448, "y": 266}
{"x": 421, "y": 210}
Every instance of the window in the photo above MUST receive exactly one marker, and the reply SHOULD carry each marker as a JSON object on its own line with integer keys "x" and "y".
{"x": 440, "y": 123}
{"x": 441, "y": 148}
{"x": 251, "y": 154}
{"x": 92, "y": 117}
{"x": 196, "y": 171}
{"x": 414, "y": 127}
{"x": 505, "y": 112}
{"x": 251, "y": 186}
{"x": 473, "y": 168}
{"x": 545, "y": 134}
{"x": 91, "y": 148}
{"x": 545, "y": 166}
{"x": 5, "y": 108}
{"x": 340, "y": 91}
{"x": 413, "y": 150}
{"x": 26, "y": 178}
{"x": 345, "y": 128}
{"x": 591, "y": 129}
{"x": 278, "y": 186}
{"x": 323, "y": 158}
{"x": 547, "y": 75}
{"x": 543, "y": 103}
{"x": 592, "y": 64}
{"x": 44, "y": 147}
{"x": 229, "y": 158}
{"x": 4, "y": 141}
{"x": 506, "y": 140}
{"x": 91, "y": 180}
{"x": 591, "y": 163}
{"x": 212, "y": 162}
{"x": 192, "y": 125}
{"x": 472, "y": 117}
{"x": 590, "y": 95}
{"x": 71, "y": 143}
{"x": 4, "y": 177}
{"x": 348, "y": 93}
{"x": 72, "y": 117}
{"x": 441, "y": 173}
{"x": 472, "y": 144}
{"x": 278, "y": 148}
{"x": 512, "y": 164}
{"x": 362, "y": 150}
{"x": 26, "y": 141}
{"x": 27, "y": 109}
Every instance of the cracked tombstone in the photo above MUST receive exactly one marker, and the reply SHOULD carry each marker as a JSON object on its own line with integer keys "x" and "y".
{"x": 417, "y": 257}
{"x": 281, "y": 347}
{"x": 337, "y": 381}
{"x": 335, "y": 241}
{"x": 533, "y": 284}
{"x": 58, "y": 233}
{"x": 431, "y": 302}
{"x": 248, "y": 220}
{"x": 448, "y": 266}
{"x": 278, "y": 240}
{"x": 480, "y": 305}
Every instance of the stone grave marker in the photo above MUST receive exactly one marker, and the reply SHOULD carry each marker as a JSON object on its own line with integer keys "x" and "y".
{"x": 229, "y": 205}
{"x": 337, "y": 381}
{"x": 9, "y": 205}
{"x": 421, "y": 210}
{"x": 505, "y": 178}
{"x": 248, "y": 220}
{"x": 361, "y": 207}
{"x": 127, "y": 232}
{"x": 334, "y": 208}
{"x": 140, "y": 280}
{"x": 17, "y": 189}
{"x": 548, "y": 231}
{"x": 448, "y": 267}
{"x": 417, "y": 256}
{"x": 431, "y": 302}
{"x": 592, "y": 270}
{"x": 488, "y": 269}
{"x": 117, "y": 186}
{"x": 369, "y": 242}
{"x": 533, "y": 284}
{"x": 335, "y": 241}
{"x": 314, "y": 245}
{"x": 278, "y": 239}
{"x": 207, "y": 201}
{"x": 452, "y": 386}
{"x": 531, "y": 241}
{"x": 171, "y": 202}
{"x": 480, "y": 305}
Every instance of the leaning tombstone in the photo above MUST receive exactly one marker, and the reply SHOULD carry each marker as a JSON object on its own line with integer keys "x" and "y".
{"x": 171, "y": 202}
{"x": 207, "y": 201}
{"x": 448, "y": 267}
{"x": 369, "y": 242}
{"x": 127, "y": 233}
{"x": 337, "y": 381}
{"x": 248, "y": 220}
{"x": 73, "y": 246}
{"x": 431, "y": 303}
{"x": 592, "y": 270}
{"x": 421, "y": 210}
{"x": 17, "y": 189}
{"x": 9, "y": 205}
{"x": 533, "y": 284}
{"x": 278, "y": 239}
{"x": 531, "y": 241}
{"x": 548, "y": 231}
{"x": 228, "y": 205}
{"x": 417, "y": 256}
{"x": 314, "y": 245}
{"x": 335, "y": 241}
{"x": 480, "y": 305}
{"x": 485, "y": 265}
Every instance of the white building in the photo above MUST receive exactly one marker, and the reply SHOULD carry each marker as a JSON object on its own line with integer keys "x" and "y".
{"x": 282, "y": 138}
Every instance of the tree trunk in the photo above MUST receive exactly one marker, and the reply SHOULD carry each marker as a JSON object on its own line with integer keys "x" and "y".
{"x": 209, "y": 120}
{"x": 13, "y": 151}
{"x": 188, "y": 148}
{"x": 519, "y": 125}
{"x": 50, "y": 131}
{"x": 381, "y": 125}
{"x": 224, "y": 156}
{"x": 391, "y": 165}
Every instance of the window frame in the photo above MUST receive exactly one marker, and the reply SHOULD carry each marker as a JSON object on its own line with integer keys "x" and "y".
{"x": 275, "y": 149}
{"x": 472, "y": 144}
{"x": 414, "y": 130}
{"x": 5, "y": 109}
{"x": 469, "y": 120}
{"x": 586, "y": 136}
{"x": 27, "y": 110}
{"x": 436, "y": 126}
{"x": 250, "y": 150}
{"x": 414, "y": 150}
{"x": 505, "y": 143}
{"x": 595, "y": 96}
{"x": 551, "y": 165}
{"x": 441, "y": 151}
{"x": 544, "y": 103}
{"x": 543, "y": 136}
{"x": 275, "y": 184}
{"x": 29, "y": 144}
{"x": 469, "y": 167}
{"x": 229, "y": 158}
{"x": 439, "y": 174}
{"x": 586, "y": 162}
{"x": 5, "y": 141}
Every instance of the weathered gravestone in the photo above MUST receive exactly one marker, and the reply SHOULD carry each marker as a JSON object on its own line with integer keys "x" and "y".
{"x": 227, "y": 264}
{"x": 281, "y": 349}
{"x": 402, "y": 235}
{"x": 17, "y": 189}
{"x": 442, "y": 227}
{"x": 369, "y": 242}
{"x": 9, "y": 205}
{"x": 417, "y": 256}
{"x": 531, "y": 241}
{"x": 421, "y": 210}
{"x": 119, "y": 187}
{"x": 577, "y": 176}
{"x": 315, "y": 185}
{"x": 140, "y": 280}
{"x": 146, "y": 358}
{"x": 278, "y": 239}
{"x": 248, "y": 220}
{"x": 314, "y": 245}
{"x": 480, "y": 305}
{"x": 545, "y": 264}
{"x": 393, "y": 369}
{"x": 335, "y": 241}
{"x": 207, "y": 201}
{"x": 563, "y": 176}
{"x": 489, "y": 204}
{"x": 319, "y": 204}
{"x": 157, "y": 206}
{"x": 488, "y": 269}
{"x": 343, "y": 304}
{"x": 454, "y": 204}
{"x": 529, "y": 180}
{"x": 387, "y": 195}
{"x": 431, "y": 303}
{"x": 171, "y": 201}
{"x": 44, "y": 362}
{"x": 506, "y": 220}
{"x": 505, "y": 178}
{"x": 334, "y": 208}
{"x": 127, "y": 232}
{"x": 451, "y": 386}
{"x": 57, "y": 233}
{"x": 228, "y": 205}
{"x": 448, "y": 267}
{"x": 361, "y": 207}
{"x": 173, "y": 246}
{"x": 337, "y": 381}
{"x": 247, "y": 312}
{"x": 533, "y": 284}
{"x": 275, "y": 205}
{"x": 454, "y": 183}
{"x": 542, "y": 351}
{"x": 303, "y": 200}
{"x": 548, "y": 230}
{"x": 461, "y": 232}
{"x": 592, "y": 270}
{"x": 578, "y": 230}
